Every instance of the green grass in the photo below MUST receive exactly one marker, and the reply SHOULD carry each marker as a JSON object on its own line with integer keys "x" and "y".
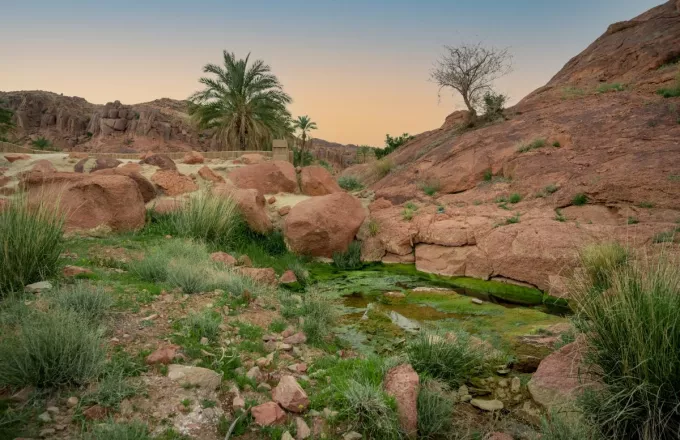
{"x": 383, "y": 167}
{"x": 450, "y": 360}
{"x": 556, "y": 426}
{"x": 51, "y": 349}
{"x": 559, "y": 216}
{"x": 671, "y": 92}
{"x": 205, "y": 324}
{"x": 579, "y": 199}
{"x": 515, "y": 198}
{"x": 111, "y": 389}
{"x": 350, "y": 183}
{"x": 373, "y": 227}
{"x": 488, "y": 175}
{"x": 556, "y": 144}
{"x": 633, "y": 333}
{"x": 613, "y": 87}
{"x": 533, "y": 145}
{"x": 632, "y": 220}
{"x": 370, "y": 411}
{"x": 646, "y": 205}
{"x": 350, "y": 259}
{"x": 667, "y": 236}
{"x": 90, "y": 302}
{"x": 509, "y": 221}
{"x": 277, "y": 326}
{"x": 430, "y": 187}
{"x": 118, "y": 431}
{"x": 412, "y": 206}
{"x": 41, "y": 144}
{"x": 435, "y": 411}
{"x": 207, "y": 217}
{"x": 600, "y": 260}
{"x": 189, "y": 275}
{"x": 31, "y": 240}
{"x": 407, "y": 214}
{"x": 318, "y": 312}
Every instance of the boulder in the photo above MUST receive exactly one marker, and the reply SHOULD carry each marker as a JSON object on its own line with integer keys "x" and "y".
{"x": 322, "y": 225}
{"x": 290, "y": 395}
{"x": 288, "y": 278}
{"x": 163, "y": 355}
{"x": 267, "y": 414}
{"x": 252, "y": 158}
{"x": 295, "y": 339}
{"x": 161, "y": 161}
{"x": 196, "y": 376}
{"x": 173, "y": 183}
{"x": 193, "y": 157}
{"x": 146, "y": 188}
{"x": 224, "y": 258}
{"x": 88, "y": 165}
{"x": 251, "y": 204}
{"x": 72, "y": 271}
{"x": 487, "y": 405}
{"x": 90, "y": 201}
{"x": 208, "y": 174}
{"x": 317, "y": 181}
{"x": 267, "y": 177}
{"x": 43, "y": 166}
{"x": 14, "y": 157}
{"x": 260, "y": 275}
{"x": 284, "y": 210}
{"x": 403, "y": 384}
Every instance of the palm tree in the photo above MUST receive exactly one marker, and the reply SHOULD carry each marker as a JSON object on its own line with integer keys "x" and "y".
{"x": 304, "y": 124}
{"x": 244, "y": 103}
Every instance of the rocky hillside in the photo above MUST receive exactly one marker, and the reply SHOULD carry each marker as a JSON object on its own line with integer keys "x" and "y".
{"x": 592, "y": 155}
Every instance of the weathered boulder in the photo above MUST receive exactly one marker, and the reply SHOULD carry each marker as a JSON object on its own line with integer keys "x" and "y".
{"x": 193, "y": 157}
{"x": 322, "y": 225}
{"x": 43, "y": 166}
{"x": 317, "y": 181}
{"x": 267, "y": 414}
{"x": 146, "y": 188}
{"x": 208, "y": 174}
{"x": 172, "y": 183}
{"x": 252, "y": 158}
{"x": 288, "y": 278}
{"x": 267, "y": 177}
{"x": 14, "y": 157}
{"x": 290, "y": 395}
{"x": 224, "y": 258}
{"x": 88, "y": 165}
{"x": 162, "y": 161}
{"x": 250, "y": 203}
{"x": 403, "y": 384}
{"x": 163, "y": 355}
{"x": 196, "y": 376}
{"x": 264, "y": 275}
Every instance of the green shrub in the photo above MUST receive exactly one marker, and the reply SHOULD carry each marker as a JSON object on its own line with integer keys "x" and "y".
{"x": 600, "y": 260}
{"x": 632, "y": 333}
{"x": 370, "y": 411}
{"x": 349, "y": 260}
{"x": 111, "y": 389}
{"x": 450, "y": 360}
{"x": 515, "y": 198}
{"x": 90, "y": 302}
{"x": 647, "y": 205}
{"x": 533, "y": 145}
{"x": 632, "y": 220}
{"x": 671, "y": 92}
{"x": 556, "y": 144}
{"x": 41, "y": 143}
{"x": 391, "y": 144}
{"x": 302, "y": 158}
{"x": 579, "y": 199}
{"x": 494, "y": 104}
{"x": 318, "y": 313}
{"x": 430, "y": 187}
{"x": 300, "y": 271}
{"x": 203, "y": 325}
{"x": 667, "y": 236}
{"x": 551, "y": 189}
{"x": 383, "y": 167}
{"x": 31, "y": 240}
{"x": 326, "y": 165}
{"x": 207, "y": 217}
{"x": 119, "y": 431}
{"x": 238, "y": 285}
{"x": 153, "y": 267}
{"x": 510, "y": 220}
{"x": 373, "y": 227}
{"x": 570, "y": 427}
{"x": 53, "y": 348}
{"x": 488, "y": 175}
{"x": 189, "y": 275}
{"x": 435, "y": 411}
{"x": 614, "y": 87}
{"x": 407, "y": 214}
{"x": 350, "y": 183}
{"x": 559, "y": 216}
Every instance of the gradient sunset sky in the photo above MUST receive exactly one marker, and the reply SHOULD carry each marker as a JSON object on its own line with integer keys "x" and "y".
{"x": 358, "y": 68}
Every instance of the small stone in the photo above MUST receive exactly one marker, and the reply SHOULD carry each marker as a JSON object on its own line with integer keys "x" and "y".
{"x": 463, "y": 390}
{"x": 297, "y": 338}
{"x": 150, "y": 317}
{"x": 267, "y": 414}
{"x": 238, "y": 403}
{"x": 45, "y": 417}
{"x": 289, "y": 331}
{"x": 271, "y": 200}
{"x": 503, "y": 371}
{"x": 283, "y": 346}
{"x": 95, "y": 412}
{"x": 38, "y": 287}
{"x": 352, "y": 435}
{"x": 47, "y": 432}
{"x": 198, "y": 376}
{"x": 465, "y": 398}
{"x": 254, "y": 373}
{"x": 264, "y": 387}
{"x": 477, "y": 301}
{"x": 262, "y": 362}
{"x": 163, "y": 355}
{"x": 204, "y": 341}
{"x": 487, "y": 405}
{"x": 290, "y": 395}
{"x": 515, "y": 384}
{"x": 53, "y": 410}
{"x": 329, "y": 413}
{"x": 286, "y": 436}
{"x": 503, "y": 383}
{"x": 72, "y": 401}
{"x": 302, "y": 430}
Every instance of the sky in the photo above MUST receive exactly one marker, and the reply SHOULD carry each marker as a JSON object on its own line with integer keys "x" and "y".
{"x": 360, "y": 69}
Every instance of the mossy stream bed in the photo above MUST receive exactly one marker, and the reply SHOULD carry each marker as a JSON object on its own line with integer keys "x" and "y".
{"x": 382, "y": 306}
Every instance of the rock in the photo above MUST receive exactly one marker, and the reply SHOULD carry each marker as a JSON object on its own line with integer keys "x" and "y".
{"x": 261, "y": 275}
{"x": 297, "y": 338}
{"x": 172, "y": 183}
{"x": 88, "y": 165}
{"x": 208, "y": 174}
{"x": 290, "y": 395}
{"x": 286, "y": 436}
{"x": 146, "y": 188}
{"x": 161, "y": 161}
{"x": 72, "y": 402}
{"x": 53, "y": 410}
{"x": 477, "y": 301}
{"x": 251, "y": 204}
{"x": 22, "y": 395}
{"x": 284, "y": 210}
{"x": 267, "y": 414}
{"x": 47, "y": 432}
{"x": 288, "y": 278}
{"x": 193, "y": 157}
{"x": 263, "y": 387}
{"x": 289, "y": 331}
{"x": 252, "y": 158}
{"x": 90, "y": 201}
{"x": 487, "y": 405}
{"x": 267, "y": 177}
{"x": 72, "y": 271}
{"x": 302, "y": 430}
{"x": 403, "y": 384}
{"x": 224, "y": 258}
{"x": 38, "y": 287}
{"x": 558, "y": 379}
{"x": 271, "y": 200}
{"x": 11, "y": 158}
{"x": 197, "y": 376}
{"x": 43, "y": 166}
{"x": 254, "y": 374}
{"x": 498, "y": 436}
{"x": 352, "y": 435}
{"x": 163, "y": 355}
{"x": 244, "y": 261}
{"x": 317, "y": 181}
{"x": 45, "y": 417}
{"x": 515, "y": 384}
{"x": 238, "y": 403}
{"x": 322, "y": 225}
{"x": 95, "y": 412}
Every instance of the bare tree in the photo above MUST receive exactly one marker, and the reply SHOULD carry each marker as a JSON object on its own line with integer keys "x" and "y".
{"x": 470, "y": 70}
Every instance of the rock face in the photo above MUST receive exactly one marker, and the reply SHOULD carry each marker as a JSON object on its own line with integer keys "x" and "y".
{"x": 267, "y": 177}
{"x": 322, "y": 225}
{"x": 193, "y": 157}
{"x": 88, "y": 165}
{"x": 290, "y": 395}
{"x": 146, "y": 188}
{"x": 317, "y": 181}
{"x": 252, "y": 158}
{"x": 250, "y": 203}
{"x": 90, "y": 201}
{"x": 162, "y": 161}
{"x": 173, "y": 183}
{"x": 403, "y": 384}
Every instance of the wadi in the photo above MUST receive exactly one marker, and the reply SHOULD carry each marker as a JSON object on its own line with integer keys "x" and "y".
{"x": 207, "y": 269}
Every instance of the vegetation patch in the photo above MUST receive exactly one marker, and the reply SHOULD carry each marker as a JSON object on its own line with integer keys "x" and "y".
{"x": 350, "y": 183}
{"x": 579, "y": 199}
{"x": 350, "y": 259}
{"x": 533, "y": 145}
{"x": 613, "y": 87}
{"x": 430, "y": 187}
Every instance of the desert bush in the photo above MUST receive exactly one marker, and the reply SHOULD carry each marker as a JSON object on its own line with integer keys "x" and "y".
{"x": 494, "y": 104}
{"x": 556, "y": 426}
{"x": 350, "y": 183}
{"x": 632, "y": 335}
{"x": 118, "y": 431}
{"x": 189, "y": 275}
{"x": 53, "y": 348}
{"x": 318, "y": 313}
{"x": 579, "y": 199}
{"x": 515, "y": 198}
{"x": 600, "y": 261}
{"x": 488, "y": 175}
{"x": 203, "y": 325}
{"x": 301, "y": 272}
{"x": 350, "y": 259}
{"x": 383, "y": 167}
{"x": 239, "y": 285}
{"x": 559, "y": 216}
{"x": 31, "y": 240}
{"x": 373, "y": 227}
{"x": 614, "y": 87}
{"x": 111, "y": 389}
{"x": 41, "y": 143}
{"x": 449, "y": 359}
{"x": 671, "y": 92}
{"x": 667, "y": 236}
{"x": 391, "y": 144}
{"x": 430, "y": 187}
{"x": 154, "y": 267}
{"x": 435, "y": 411}
{"x": 370, "y": 411}
{"x": 533, "y": 145}
{"x": 90, "y": 302}
{"x": 207, "y": 217}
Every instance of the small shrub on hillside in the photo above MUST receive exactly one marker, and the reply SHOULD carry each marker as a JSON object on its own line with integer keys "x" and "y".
{"x": 647, "y": 205}
{"x": 614, "y": 87}
{"x": 632, "y": 331}
{"x": 350, "y": 183}
{"x": 349, "y": 260}
{"x": 435, "y": 411}
{"x": 203, "y": 325}
{"x": 430, "y": 187}
{"x": 119, "y": 431}
{"x": 515, "y": 198}
{"x": 559, "y": 216}
{"x": 53, "y": 348}
{"x": 671, "y": 92}
{"x": 238, "y": 285}
{"x": 326, "y": 165}
{"x": 450, "y": 360}
{"x": 373, "y": 227}
{"x": 569, "y": 427}
{"x": 494, "y": 105}
{"x": 90, "y": 302}
{"x": 153, "y": 267}
{"x": 302, "y": 158}
{"x": 579, "y": 199}
{"x": 407, "y": 214}
{"x": 534, "y": 145}
{"x": 189, "y": 275}
{"x": 383, "y": 167}
{"x": 601, "y": 260}
{"x": 41, "y": 144}
{"x": 556, "y": 144}
{"x": 111, "y": 389}
{"x": 207, "y": 217}
{"x": 31, "y": 240}
{"x": 667, "y": 236}
{"x": 301, "y": 272}
{"x": 632, "y": 220}
{"x": 488, "y": 175}
{"x": 318, "y": 313}
{"x": 370, "y": 411}
{"x": 509, "y": 221}
{"x": 391, "y": 144}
